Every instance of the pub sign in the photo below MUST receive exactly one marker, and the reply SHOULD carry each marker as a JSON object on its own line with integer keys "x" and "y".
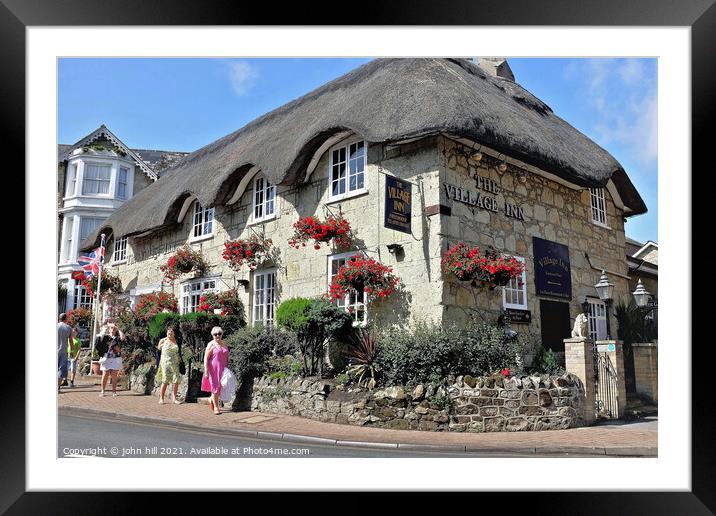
{"x": 553, "y": 275}
{"x": 398, "y": 202}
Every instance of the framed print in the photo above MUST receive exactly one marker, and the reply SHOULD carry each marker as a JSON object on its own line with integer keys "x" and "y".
{"x": 203, "y": 215}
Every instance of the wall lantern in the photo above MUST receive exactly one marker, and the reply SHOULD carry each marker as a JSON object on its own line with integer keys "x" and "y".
{"x": 502, "y": 167}
{"x": 585, "y": 307}
{"x": 243, "y": 282}
{"x": 395, "y": 248}
{"x": 477, "y": 156}
{"x": 641, "y": 295}
{"x": 605, "y": 289}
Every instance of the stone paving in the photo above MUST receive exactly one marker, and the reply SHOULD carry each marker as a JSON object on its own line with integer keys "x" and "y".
{"x": 640, "y": 439}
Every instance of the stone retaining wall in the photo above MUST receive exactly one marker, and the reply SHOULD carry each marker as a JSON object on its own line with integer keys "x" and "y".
{"x": 472, "y": 404}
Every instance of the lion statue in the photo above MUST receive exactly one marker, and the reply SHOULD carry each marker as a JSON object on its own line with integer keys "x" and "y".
{"x": 580, "y": 326}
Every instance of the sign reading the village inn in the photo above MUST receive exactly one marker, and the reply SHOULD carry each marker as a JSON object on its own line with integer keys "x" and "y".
{"x": 398, "y": 203}
{"x": 486, "y": 201}
{"x": 553, "y": 275}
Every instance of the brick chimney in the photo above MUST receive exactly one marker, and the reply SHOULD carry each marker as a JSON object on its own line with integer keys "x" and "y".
{"x": 496, "y": 66}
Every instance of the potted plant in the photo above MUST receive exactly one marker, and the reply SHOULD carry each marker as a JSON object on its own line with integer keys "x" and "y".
{"x": 489, "y": 268}
{"x": 95, "y": 362}
{"x": 184, "y": 261}
{"x": 335, "y": 229}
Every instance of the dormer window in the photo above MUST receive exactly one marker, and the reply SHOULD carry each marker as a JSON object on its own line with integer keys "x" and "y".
{"x": 347, "y": 170}
{"x": 203, "y": 221}
{"x": 96, "y": 179}
{"x": 264, "y": 199}
{"x": 599, "y": 206}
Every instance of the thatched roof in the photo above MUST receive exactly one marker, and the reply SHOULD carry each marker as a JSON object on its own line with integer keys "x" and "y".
{"x": 384, "y": 100}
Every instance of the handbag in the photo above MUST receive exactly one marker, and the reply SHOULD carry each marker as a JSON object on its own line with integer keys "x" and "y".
{"x": 228, "y": 385}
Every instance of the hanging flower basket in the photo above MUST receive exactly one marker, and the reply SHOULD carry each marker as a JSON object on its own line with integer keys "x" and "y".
{"x": 222, "y": 303}
{"x": 364, "y": 275}
{"x": 111, "y": 284}
{"x": 149, "y": 305}
{"x": 184, "y": 261}
{"x": 333, "y": 229}
{"x": 489, "y": 269}
{"x": 250, "y": 252}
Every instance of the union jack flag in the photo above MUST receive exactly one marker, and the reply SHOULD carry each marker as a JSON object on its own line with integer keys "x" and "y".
{"x": 92, "y": 261}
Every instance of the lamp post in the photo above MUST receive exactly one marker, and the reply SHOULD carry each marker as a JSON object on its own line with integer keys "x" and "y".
{"x": 605, "y": 289}
{"x": 645, "y": 303}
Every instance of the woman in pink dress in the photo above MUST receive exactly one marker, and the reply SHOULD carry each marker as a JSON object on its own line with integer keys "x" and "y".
{"x": 216, "y": 358}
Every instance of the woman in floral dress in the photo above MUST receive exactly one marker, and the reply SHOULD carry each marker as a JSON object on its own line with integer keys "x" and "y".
{"x": 168, "y": 370}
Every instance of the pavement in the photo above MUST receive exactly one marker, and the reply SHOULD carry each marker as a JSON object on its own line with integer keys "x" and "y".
{"x": 617, "y": 439}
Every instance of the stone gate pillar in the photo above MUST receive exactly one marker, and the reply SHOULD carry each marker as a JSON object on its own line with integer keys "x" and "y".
{"x": 615, "y": 351}
{"x": 646, "y": 369}
{"x": 579, "y": 360}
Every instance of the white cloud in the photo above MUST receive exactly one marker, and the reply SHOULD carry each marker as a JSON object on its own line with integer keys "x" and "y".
{"x": 242, "y": 76}
{"x": 624, "y": 100}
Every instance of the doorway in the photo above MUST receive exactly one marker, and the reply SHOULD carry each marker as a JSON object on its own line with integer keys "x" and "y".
{"x": 554, "y": 321}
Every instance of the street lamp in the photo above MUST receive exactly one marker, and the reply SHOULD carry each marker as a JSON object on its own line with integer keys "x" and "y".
{"x": 645, "y": 303}
{"x": 605, "y": 289}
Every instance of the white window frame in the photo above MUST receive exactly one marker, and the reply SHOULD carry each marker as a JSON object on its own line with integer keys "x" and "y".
{"x": 69, "y": 228}
{"x": 97, "y": 180}
{"x": 82, "y": 237}
{"x": 345, "y": 180}
{"x": 82, "y": 297}
{"x": 263, "y": 197}
{"x": 124, "y": 183}
{"x": 119, "y": 254}
{"x": 72, "y": 171}
{"x": 598, "y": 205}
{"x": 513, "y": 287}
{"x": 353, "y": 306}
{"x": 263, "y": 297}
{"x": 597, "y": 318}
{"x": 190, "y": 296}
{"x": 200, "y": 218}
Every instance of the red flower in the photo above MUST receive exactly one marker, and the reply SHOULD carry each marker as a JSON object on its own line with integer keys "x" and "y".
{"x": 505, "y": 372}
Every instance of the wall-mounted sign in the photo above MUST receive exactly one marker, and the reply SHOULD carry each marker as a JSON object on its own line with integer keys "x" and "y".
{"x": 553, "y": 275}
{"x": 518, "y": 316}
{"x": 398, "y": 202}
{"x": 480, "y": 200}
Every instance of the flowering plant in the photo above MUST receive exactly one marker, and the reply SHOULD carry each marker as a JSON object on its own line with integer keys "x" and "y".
{"x": 505, "y": 372}
{"x": 149, "y": 305}
{"x": 251, "y": 251}
{"x": 111, "y": 284}
{"x": 364, "y": 275}
{"x": 228, "y": 302}
{"x": 469, "y": 264}
{"x": 334, "y": 228}
{"x": 184, "y": 260}
{"x": 80, "y": 315}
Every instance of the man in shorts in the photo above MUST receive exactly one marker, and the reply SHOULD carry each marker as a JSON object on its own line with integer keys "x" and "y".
{"x": 64, "y": 339}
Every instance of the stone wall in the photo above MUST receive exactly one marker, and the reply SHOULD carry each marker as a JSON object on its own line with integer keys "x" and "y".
{"x": 468, "y": 404}
{"x": 551, "y": 211}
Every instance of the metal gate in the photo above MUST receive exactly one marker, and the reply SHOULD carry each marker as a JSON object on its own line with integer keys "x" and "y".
{"x": 606, "y": 387}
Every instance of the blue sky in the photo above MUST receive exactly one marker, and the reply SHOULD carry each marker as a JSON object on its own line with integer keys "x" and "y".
{"x": 184, "y": 104}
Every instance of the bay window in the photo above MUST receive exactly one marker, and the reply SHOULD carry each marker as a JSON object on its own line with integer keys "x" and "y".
{"x": 122, "y": 182}
{"x": 96, "y": 179}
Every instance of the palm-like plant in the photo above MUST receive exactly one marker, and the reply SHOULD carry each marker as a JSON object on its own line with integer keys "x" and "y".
{"x": 361, "y": 354}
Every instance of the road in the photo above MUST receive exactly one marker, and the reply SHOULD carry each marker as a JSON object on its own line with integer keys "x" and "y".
{"x": 83, "y": 436}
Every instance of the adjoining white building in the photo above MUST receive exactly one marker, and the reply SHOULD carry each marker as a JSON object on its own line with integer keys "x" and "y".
{"x": 95, "y": 176}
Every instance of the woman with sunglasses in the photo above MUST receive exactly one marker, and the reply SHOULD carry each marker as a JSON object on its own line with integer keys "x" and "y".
{"x": 216, "y": 358}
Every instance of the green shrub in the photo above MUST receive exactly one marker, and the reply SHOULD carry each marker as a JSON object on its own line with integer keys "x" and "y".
{"x": 158, "y": 325}
{"x": 343, "y": 379}
{"x": 250, "y": 351}
{"x": 546, "y": 362}
{"x": 429, "y": 353}
{"x": 315, "y": 322}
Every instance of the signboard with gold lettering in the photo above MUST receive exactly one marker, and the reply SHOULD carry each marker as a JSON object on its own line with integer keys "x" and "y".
{"x": 398, "y": 202}
{"x": 553, "y": 275}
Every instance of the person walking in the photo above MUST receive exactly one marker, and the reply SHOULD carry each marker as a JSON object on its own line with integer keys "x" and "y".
{"x": 216, "y": 358}
{"x": 168, "y": 370}
{"x": 64, "y": 337}
{"x": 73, "y": 353}
{"x": 111, "y": 362}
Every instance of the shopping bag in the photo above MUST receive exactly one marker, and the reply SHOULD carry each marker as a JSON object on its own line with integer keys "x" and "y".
{"x": 228, "y": 385}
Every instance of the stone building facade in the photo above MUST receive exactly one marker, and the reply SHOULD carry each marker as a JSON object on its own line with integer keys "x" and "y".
{"x": 566, "y": 225}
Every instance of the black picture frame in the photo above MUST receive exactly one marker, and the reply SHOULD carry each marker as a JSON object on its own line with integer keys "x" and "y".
{"x": 699, "y": 15}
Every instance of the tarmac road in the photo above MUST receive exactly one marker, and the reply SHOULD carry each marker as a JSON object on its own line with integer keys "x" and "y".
{"x": 89, "y": 436}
